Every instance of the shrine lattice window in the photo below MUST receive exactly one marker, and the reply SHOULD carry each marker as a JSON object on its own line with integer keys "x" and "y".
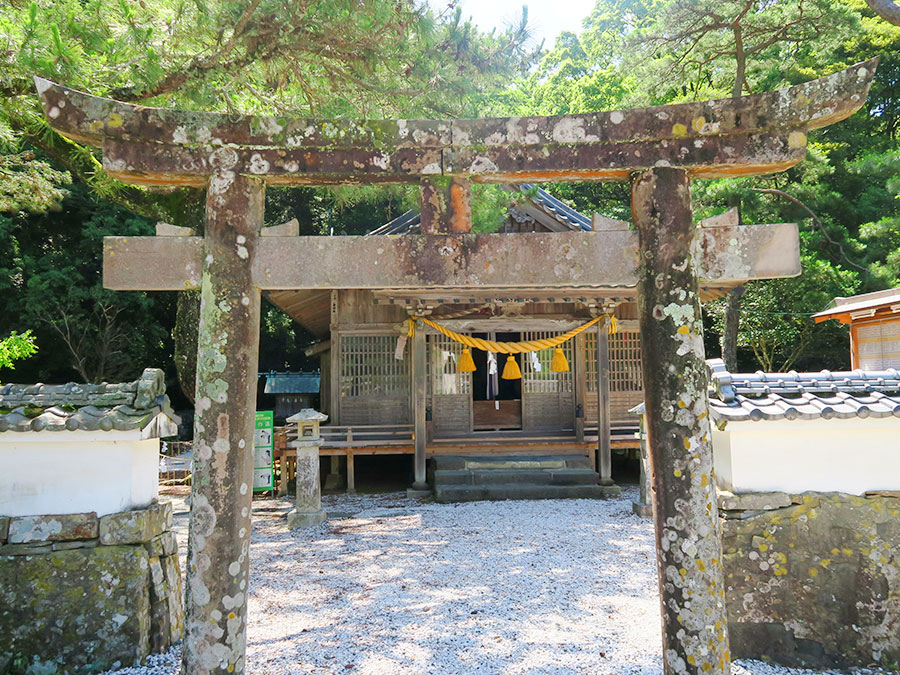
{"x": 368, "y": 366}
{"x": 624, "y": 361}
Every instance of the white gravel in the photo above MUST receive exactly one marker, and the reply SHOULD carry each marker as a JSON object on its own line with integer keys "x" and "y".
{"x": 394, "y": 586}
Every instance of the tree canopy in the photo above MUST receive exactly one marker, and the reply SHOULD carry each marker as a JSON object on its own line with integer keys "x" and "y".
{"x": 843, "y": 196}
{"x": 327, "y": 58}
{"x": 384, "y": 58}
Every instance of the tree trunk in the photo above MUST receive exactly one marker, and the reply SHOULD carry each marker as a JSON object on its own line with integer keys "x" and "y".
{"x": 184, "y": 335}
{"x": 732, "y": 325}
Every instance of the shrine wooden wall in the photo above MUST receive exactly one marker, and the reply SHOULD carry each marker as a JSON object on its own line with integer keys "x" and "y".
{"x": 368, "y": 386}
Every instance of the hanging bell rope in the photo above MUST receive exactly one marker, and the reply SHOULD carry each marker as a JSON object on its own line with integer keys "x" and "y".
{"x": 511, "y": 370}
{"x": 519, "y": 347}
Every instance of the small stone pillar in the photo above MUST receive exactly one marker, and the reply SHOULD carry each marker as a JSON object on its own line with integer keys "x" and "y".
{"x": 308, "y": 508}
{"x": 644, "y": 506}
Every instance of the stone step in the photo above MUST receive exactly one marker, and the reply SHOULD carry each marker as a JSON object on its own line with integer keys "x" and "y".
{"x": 515, "y": 476}
{"x": 472, "y": 493}
{"x": 511, "y": 462}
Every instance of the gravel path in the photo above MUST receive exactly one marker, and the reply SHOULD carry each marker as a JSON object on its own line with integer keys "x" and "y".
{"x": 392, "y": 586}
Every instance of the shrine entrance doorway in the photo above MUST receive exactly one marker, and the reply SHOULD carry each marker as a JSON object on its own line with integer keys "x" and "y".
{"x": 496, "y": 403}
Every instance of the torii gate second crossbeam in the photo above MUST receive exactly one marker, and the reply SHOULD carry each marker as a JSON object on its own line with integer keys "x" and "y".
{"x": 658, "y": 149}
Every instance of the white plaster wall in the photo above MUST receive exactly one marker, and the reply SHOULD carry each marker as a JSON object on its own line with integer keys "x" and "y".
{"x": 76, "y": 471}
{"x": 836, "y": 455}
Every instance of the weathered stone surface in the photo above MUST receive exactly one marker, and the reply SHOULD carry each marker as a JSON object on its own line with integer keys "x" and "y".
{"x": 308, "y": 509}
{"x": 36, "y": 548}
{"x": 735, "y": 136}
{"x": 298, "y": 520}
{"x": 462, "y": 260}
{"x": 218, "y": 566}
{"x": 68, "y": 527}
{"x": 4, "y": 528}
{"x": 135, "y": 527}
{"x": 172, "y": 570}
{"x": 162, "y": 545}
{"x": 70, "y": 545}
{"x": 817, "y": 583}
{"x": 689, "y": 555}
{"x": 166, "y": 609}
{"x": 642, "y": 510}
{"x": 79, "y": 611}
{"x": 753, "y": 501}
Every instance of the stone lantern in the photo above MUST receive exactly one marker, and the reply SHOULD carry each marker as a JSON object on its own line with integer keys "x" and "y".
{"x": 308, "y": 508}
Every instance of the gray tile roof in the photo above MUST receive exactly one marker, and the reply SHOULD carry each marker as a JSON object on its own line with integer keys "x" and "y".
{"x": 738, "y": 397}
{"x": 138, "y": 405}
{"x": 411, "y": 221}
{"x": 292, "y": 383}
{"x": 558, "y": 209}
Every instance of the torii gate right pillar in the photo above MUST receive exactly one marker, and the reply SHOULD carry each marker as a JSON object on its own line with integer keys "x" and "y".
{"x": 689, "y": 552}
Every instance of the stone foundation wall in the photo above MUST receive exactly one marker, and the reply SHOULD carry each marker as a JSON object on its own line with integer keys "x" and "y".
{"x": 813, "y": 579}
{"x": 82, "y": 594}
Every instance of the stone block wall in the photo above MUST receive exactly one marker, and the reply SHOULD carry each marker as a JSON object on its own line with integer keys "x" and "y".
{"x": 82, "y": 594}
{"x": 813, "y": 579}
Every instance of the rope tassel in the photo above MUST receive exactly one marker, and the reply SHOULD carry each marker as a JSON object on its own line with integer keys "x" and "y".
{"x": 559, "y": 364}
{"x": 511, "y": 369}
{"x": 465, "y": 363}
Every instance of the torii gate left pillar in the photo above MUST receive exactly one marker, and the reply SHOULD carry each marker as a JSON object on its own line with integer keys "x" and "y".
{"x": 228, "y": 354}
{"x": 659, "y": 149}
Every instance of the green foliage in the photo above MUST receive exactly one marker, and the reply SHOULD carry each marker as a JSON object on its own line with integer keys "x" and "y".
{"x": 26, "y": 183}
{"x": 15, "y": 347}
{"x": 698, "y": 49}
{"x": 50, "y": 276}
{"x": 880, "y": 235}
{"x": 776, "y": 324}
{"x": 326, "y": 58}
{"x": 382, "y": 58}
{"x": 640, "y": 52}
{"x": 285, "y": 342}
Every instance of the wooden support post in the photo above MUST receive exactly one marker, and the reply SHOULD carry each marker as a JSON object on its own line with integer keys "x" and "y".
{"x": 351, "y": 473}
{"x": 335, "y": 362}
{"x": 222, "y": 485}
{"x": 282, "y": 475}
{"x": 604, "y": 444}
{"x": 420, "y": 483}
{"x": 689, "y": 552}
{"x": 580, "y": 386}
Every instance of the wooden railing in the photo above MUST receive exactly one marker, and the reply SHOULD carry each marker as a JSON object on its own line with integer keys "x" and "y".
{"x": 174, "y": 461}
{"x": 361, "y": 435}
{"x": 623, "y": 435}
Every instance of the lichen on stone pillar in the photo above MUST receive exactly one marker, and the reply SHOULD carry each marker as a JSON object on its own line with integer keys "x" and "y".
{"x": 689, "y": 552}
{"x": 222, "y": 481}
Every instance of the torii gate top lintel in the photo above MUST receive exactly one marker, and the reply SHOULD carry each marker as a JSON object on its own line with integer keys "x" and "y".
{"x": 749, "y": 135}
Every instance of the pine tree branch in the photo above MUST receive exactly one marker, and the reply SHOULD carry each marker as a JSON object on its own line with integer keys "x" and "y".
{"x": 815, "y": 219}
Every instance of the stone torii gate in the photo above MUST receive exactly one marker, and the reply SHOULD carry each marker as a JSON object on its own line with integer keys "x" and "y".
{"x": 658, "y": 149}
